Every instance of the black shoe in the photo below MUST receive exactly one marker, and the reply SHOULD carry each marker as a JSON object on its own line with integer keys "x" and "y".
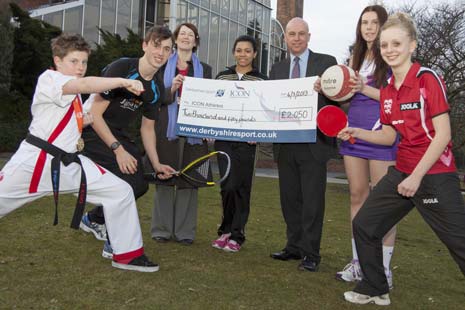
{"x": 141, "y": 263}
{"x": 161, "y": 239}
{"x": 285, "y": 255}
{"x": 308, "y": 264}
{"x": 186, "y": 241}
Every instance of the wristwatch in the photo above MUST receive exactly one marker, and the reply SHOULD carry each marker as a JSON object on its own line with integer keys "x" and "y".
{"x": 115, "y": 145}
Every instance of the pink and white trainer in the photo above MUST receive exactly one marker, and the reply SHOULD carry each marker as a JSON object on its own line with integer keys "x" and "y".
{"x": 221, "y": 242}
{"x": 232, "y": 246}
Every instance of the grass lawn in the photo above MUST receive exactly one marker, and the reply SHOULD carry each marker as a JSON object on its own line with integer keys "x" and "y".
{"x": 53, "y": 267}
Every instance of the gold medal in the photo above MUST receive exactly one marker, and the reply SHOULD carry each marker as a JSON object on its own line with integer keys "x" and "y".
{"x": 80, "y": 145}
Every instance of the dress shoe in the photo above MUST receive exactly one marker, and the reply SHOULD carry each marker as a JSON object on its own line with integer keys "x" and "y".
{"x": 285, "y": 255}
{"x": 186, "y": 241}
{"x": 161, "y": 239}
{"x": 308, "y": 264}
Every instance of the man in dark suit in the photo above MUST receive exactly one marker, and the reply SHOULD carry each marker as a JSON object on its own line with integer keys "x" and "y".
{"x": 302, "y": 166}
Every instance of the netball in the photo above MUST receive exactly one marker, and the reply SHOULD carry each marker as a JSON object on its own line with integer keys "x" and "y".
{"x": 335, "y": 82}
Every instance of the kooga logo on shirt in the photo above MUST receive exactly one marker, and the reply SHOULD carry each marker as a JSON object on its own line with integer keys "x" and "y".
{"x": 410, "y": 106}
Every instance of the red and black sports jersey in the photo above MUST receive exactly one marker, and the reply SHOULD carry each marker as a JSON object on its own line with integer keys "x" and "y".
{"x": 410, "y": 110}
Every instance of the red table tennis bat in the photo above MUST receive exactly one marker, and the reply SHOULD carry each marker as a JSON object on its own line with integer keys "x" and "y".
{"x": 331, "y": 120}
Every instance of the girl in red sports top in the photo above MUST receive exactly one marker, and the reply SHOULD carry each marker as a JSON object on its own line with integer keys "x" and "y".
{"x": 413, "y": 104}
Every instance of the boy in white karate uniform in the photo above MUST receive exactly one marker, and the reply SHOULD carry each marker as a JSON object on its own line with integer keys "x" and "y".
{"x": 53, "y": 143}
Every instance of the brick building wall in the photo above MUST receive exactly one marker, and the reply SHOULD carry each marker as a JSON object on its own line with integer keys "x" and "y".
{"x": 32, "y": 4}
{"x": 288, "y": 9}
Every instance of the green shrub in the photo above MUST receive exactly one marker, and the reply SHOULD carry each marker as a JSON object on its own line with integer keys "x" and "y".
{"x": 15, "y": 117}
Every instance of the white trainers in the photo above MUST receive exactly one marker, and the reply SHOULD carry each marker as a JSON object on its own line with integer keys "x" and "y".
{"x": 351, "y": 272}
{"x": 361, "y": 299}
{"x": 232, "y": 246}
{"x": 107, "y": 251}
{"x": 221, "y": 242}
{"x": 99, "y": 230}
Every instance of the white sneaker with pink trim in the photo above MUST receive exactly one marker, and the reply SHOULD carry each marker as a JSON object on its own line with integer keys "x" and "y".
{"x": 232, "y": 246}
{"x": 221, "y": 242}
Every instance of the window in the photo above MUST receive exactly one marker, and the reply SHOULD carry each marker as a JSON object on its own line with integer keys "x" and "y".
{"x": 234, "y": 10}
{"x": 136, "y": 16}
{"x": 251, "y": 14}
{"x": 73, "y": 20}
{"x": 225, "y": 8}
{"x": 277, "y": 45}
{"x": 205, "y": 3}
{"x": 124, "y": 17}
{"x": 163, "y": 12}
{"x": 266, "y": 21}
{"x": 232, "y": 37}
{"x": 181, "y": 12}
{"x": 223, "y": 48}
{"x": 55, "y": 19}
{"x": 215, "y": 5}
{"x": 265, "y": 55}
{"x": 203, "y": 34}
{"x": 258, "y": 59}
{"x": 108, "y": 15}
{"x": 243, "y": 11}
{"x": 193, "y": 15}
{"x": 259, "y": 18}
{"x": 241, "y": 30}
{"x": 91, "y": 20}
{"x": 213, "y": 42}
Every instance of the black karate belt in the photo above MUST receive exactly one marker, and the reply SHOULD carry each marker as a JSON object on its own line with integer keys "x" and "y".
{"x": 60, "y": 156}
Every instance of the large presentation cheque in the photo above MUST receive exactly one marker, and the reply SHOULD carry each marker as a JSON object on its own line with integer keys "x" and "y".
{"x": 260, "y": 111}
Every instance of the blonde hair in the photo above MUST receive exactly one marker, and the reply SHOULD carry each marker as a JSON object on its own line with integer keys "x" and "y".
{"x": 403, "y": 21}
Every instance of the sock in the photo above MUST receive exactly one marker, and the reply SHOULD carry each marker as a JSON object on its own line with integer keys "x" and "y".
{"x": 387, "y": 255}
{"x": 354, "y": 250}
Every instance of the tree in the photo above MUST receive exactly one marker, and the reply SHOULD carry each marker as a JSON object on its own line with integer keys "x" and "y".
{"x": 6, "y": 47}
{"x": 27, "y": 54}
{"x": 112, "y": 48}
{"x": 32, "y": 53}
{"x": 29, "y": 40}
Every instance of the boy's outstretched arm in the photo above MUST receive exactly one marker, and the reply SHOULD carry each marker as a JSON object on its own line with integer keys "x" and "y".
{"x": 92, "y": 84}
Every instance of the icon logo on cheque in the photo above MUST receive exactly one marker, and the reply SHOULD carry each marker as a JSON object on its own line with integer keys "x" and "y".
{"x": 239, "y": 92}
{"x": 219, "y": 93}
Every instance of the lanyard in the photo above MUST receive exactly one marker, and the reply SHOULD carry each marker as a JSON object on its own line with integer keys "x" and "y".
{"x": 77, "y": 106}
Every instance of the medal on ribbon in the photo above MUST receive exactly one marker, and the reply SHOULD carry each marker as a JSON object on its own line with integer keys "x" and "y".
{"x": 77, "y": 105}
{"x": 80, "y": 145}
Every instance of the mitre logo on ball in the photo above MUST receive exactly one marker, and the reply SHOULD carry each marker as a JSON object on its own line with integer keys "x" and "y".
{"x": 335, "y": 82}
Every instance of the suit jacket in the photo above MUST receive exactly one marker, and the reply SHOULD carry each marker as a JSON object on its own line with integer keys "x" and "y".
{"x": 325, "y": 146}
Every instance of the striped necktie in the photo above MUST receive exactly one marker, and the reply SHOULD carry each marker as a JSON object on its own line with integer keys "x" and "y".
{"x": 296, "y": 69}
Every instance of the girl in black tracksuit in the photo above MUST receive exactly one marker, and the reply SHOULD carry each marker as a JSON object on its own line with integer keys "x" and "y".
{"x": 235, "y": 191}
